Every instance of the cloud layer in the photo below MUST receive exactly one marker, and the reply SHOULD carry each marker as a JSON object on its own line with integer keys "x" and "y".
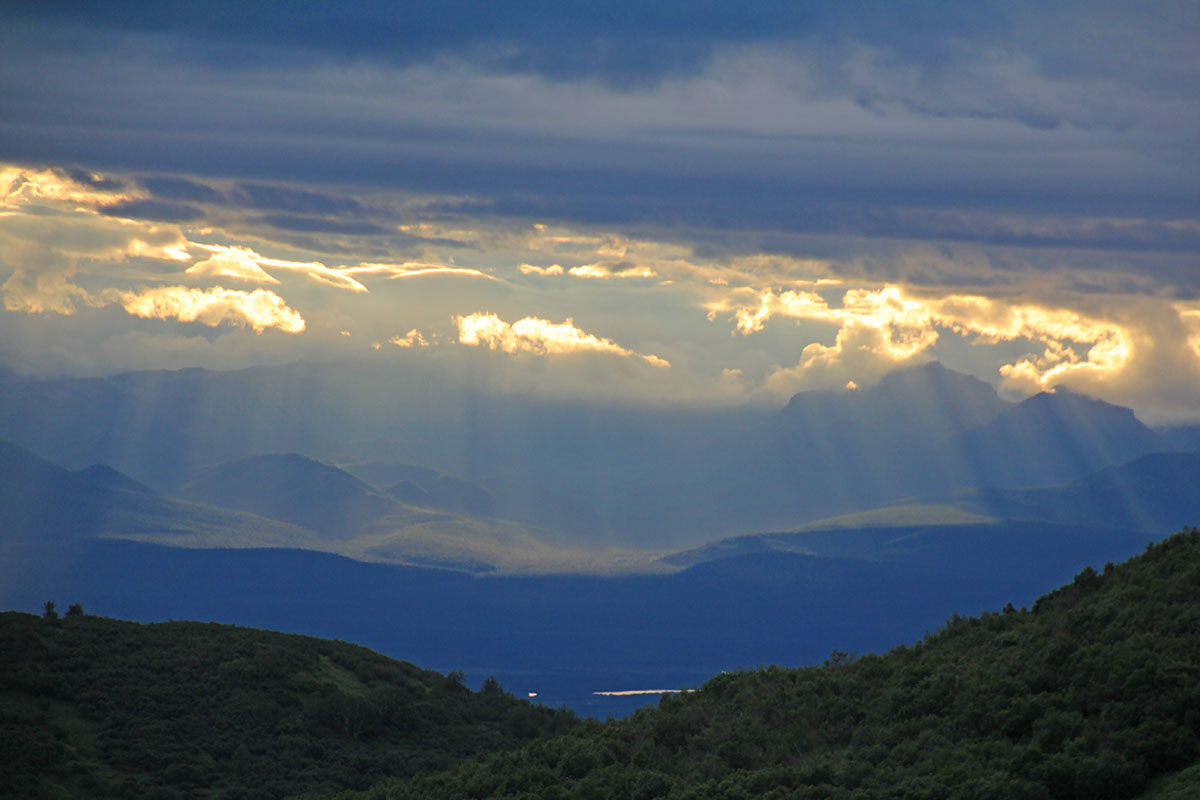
{"x": 540, "y": 337}
{"x": 769, "y": 198}
{"x": 257, "y": 310}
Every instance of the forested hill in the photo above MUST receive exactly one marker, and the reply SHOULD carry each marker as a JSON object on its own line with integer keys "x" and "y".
{"x": 97, "y": 708}
{"x": 1092, "y": 694}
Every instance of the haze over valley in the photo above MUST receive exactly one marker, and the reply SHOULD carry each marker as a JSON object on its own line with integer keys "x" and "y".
{"x": 577, "y": 351}
{"x": 564, "y": 546}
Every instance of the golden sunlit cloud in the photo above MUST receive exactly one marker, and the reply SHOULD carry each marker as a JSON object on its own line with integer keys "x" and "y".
{"x": 533, "y": 269}
{"x": 258, "y": 310}
{"x": 411, "y": 339}
{"x": 47, "y": 251}
{"x": 239, "y": 263}
{"x": 566, "y": 241}
{"x": 798, "y": 305}
{"x": 46, "y": 292}
{"x": 539, "y": 336}
{"x": 22, "y": 187}
{"x": 1190, "y": 316}
{"x": 861, "y": 353}
{"x": 83, "y": 235}
{"x": 61, "y": 252}
{"x": 243, "y": 263}
{"x": 602, "y": 271}
{"x": 886, "y": 327}
{"x": 415, "y": 270}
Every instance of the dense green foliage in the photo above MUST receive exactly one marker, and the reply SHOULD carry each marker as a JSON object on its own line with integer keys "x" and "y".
{"x": 1090, "y": 695}
{"x": 96, "y": 708}
{"x": 1094, "y": 693}
{"x": 1183, "y": 785}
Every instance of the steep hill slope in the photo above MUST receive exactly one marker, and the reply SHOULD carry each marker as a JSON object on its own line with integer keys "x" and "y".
{"x": 1054, "y": 437}
{"x": 1088, "y": 696}
{"x": 303, "y": 503}
{"x": 444, "y": 522}
{"x": 921, "y": 432}
{"x": 291, "y": 488}
{"x": 1100, "y": 517}
{"x": 997, "y": 549}
{"x": 42, "y": 504}
{"x": 1155, "y": 493}
{"x": 93, "y": 707}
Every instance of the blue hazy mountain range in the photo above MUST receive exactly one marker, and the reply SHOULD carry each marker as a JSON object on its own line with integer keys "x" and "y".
{"x": 921, "y": 473}
{"x": 43, "y": 506}
{"x": 574, "y": 474}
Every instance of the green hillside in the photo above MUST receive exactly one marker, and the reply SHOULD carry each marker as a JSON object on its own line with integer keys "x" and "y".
{"x": 97, "y": 708}
{"x": 1092, "y": 694}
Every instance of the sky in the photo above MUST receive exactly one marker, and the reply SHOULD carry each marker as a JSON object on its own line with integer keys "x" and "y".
{"x": 700, "y": 202}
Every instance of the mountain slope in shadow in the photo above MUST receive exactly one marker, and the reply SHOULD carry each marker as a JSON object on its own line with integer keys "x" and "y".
{"x": 1054, "y": 437}
{"x": 1158, "y": 492}
{"x": 291, "y": 488}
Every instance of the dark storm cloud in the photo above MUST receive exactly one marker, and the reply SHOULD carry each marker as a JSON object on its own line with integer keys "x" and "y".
{"x": 290, "y": 222}
{"x": 172, "y": 188}
{"x": 877, "y": 120}
{"x": 97, "y": 182}
{"x": 632, "y": 42}
{"x": 301, "y": 201}
{"x": 618, "y": 41}
{"x": 258, "y": 196}
{"x": 819, "y": 209}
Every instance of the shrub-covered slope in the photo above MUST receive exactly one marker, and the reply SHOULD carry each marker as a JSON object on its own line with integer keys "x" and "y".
{"x": 94, "y": 708}
{"x": 1090, "y": 695}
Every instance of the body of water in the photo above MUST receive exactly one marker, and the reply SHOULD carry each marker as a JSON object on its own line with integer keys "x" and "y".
{"x": 590, "y": 693}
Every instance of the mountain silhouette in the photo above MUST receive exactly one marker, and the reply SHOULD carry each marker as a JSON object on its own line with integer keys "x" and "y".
{"x": 291, "y": 488}
{"x": 1156, "y": 493}
{"x": 1054, "y": 437}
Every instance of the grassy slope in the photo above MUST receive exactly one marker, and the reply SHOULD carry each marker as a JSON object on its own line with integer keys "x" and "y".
{"x": 1092, "y": 694}
{"x": 93, "y": 707}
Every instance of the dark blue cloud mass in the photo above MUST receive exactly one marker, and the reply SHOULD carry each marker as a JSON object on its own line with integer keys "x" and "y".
{"x": 153, "y": 210}
{"x": 619, "y": 41}
{"x": 918, "y": 120}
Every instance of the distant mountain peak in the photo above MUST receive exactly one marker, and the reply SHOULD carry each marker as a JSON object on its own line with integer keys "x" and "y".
{"x": 1066, "y": 399}
{"x": 933, "y": 374}
{"x": 290, "y": 488}
{"x": 102, "y": 475}
{"x": 929, "y": 367}
{"x": 1055, "y": 437}
{"x": 940, "y": 399}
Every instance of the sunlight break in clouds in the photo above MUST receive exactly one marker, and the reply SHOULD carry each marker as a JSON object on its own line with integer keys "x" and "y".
{"x": 882, "y": 328}
{"x": 243, "y": 263}
{"x": 22, "y": 187}
{"x": 602, "y": 271}
{"x": 540, "y": 337}
{"x": 239, "y": 263}
{"x": 413, "y": 338}
{"x": 47, "y": 292}
{"x": 1191, "y": 320}
{"x": 533, "y": 269}
{"x": 257, "y": 310}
